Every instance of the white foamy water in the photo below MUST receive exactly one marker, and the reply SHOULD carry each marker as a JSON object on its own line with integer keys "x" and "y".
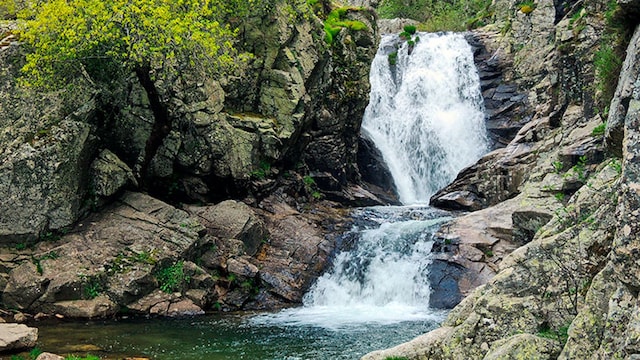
{"x": 426, "y": 114}
{"x": 383, "y": 279}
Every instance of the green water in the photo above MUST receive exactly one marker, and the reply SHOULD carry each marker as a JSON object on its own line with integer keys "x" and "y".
{"x": 223, "y": 337}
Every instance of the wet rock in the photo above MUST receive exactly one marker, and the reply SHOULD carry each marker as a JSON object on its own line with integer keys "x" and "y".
{"x": 444, "y": 278}
{"x": 16, "y": 337}
{"x": 372, "y": 166}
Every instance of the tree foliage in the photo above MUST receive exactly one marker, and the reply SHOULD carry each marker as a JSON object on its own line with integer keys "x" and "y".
{"x": 97, "y": 37}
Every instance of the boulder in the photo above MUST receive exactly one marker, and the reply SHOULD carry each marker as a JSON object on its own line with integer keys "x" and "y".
{"x": 233, "y": 220}
{"x": 41, "y": 183}
{"x": 17, "y": 337}
{"x": 109, "y": 174}
{"x": 49, "y": 356}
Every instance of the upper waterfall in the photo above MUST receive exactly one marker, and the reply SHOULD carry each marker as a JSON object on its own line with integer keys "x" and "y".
{"x": 426, "y": 113}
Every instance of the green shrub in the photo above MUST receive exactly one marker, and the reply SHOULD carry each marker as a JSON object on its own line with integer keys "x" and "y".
{"x": 527, "y": 6}
{"x": 393, "y": 59}
{"x": 410, "y": 29}
{"x": 172, "y": 277}
{"x": 335, "y": 22}
{"x": 608, "y": 63}
{"x": 599, "y": 130}
{"x": 453, "y": 15}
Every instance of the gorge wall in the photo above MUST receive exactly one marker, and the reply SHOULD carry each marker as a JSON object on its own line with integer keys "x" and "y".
{"x": 551, "y": 238}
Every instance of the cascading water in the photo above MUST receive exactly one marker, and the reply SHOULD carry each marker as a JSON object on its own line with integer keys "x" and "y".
{"x": 426, "y": 117}
{"x": 426, "y": 114}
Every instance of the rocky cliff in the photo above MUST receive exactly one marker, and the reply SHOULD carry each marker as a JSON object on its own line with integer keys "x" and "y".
{"x": 110, "y": 207}
{"x": 552, "y": 233}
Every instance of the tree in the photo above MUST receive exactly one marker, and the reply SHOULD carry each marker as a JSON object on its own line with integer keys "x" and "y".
{"x": 97, "y": 37}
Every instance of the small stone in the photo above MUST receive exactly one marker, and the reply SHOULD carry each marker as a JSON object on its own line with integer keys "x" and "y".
{"x": 484, "y": 346}
{"x": 49, "y": 356}
{"x": 19, "y": 317}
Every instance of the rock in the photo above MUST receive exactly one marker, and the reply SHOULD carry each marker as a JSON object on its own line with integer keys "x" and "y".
{"x": 296, "y": 253}
{"x": 242, "y": 268}
{"x": 444, "y": 278}
{"x": 525, "y": 346}
{"x": 109, "y": 174}
{"x": 16, "y": 337}
{"x": 42, "y": 185}
{"x": 626, "y": 98}
{"x": 425, "y": 346}
{"x": 49, "y": 356}
{"x": 394, "y": 26}
{"x": 114, "y": 253}
{"x": 97, "y": 308}
{"x": 233, "y": 220}
{"x": 184, "y": 307}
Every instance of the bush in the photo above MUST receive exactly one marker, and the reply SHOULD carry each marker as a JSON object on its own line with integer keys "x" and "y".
{"x": 335, "y": 22}
{"x": 454, "y": 15}
{"x": 410, "y": 29}
{"x": 599, "y": 130}
{"x": 393, "y": 59}
{"x": 172, "y": 277}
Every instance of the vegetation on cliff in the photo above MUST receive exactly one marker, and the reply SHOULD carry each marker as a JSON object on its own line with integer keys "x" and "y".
{"x": 434, "y": 15}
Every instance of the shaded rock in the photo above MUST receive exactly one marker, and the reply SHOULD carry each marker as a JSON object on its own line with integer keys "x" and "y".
{"x": 32, "y": 205}
{"x": 625, "y": 103}
{"x": 109, "y": 174}
{"x": 15, "y": 337}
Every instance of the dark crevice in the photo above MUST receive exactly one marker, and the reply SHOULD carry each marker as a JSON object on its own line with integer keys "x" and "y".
{"x": 161, "y": 125}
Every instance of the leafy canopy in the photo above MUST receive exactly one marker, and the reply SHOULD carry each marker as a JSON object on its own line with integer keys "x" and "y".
{"x": 97, "y": 37}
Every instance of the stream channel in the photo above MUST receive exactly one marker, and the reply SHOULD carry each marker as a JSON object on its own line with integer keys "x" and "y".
{"x": 426, "y": 116}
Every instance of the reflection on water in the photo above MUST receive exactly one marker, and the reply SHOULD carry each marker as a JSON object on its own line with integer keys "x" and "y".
{"x": 225, "y": 337}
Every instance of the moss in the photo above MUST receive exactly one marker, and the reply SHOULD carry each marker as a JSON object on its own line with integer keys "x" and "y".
{"x": 335, "y": 22}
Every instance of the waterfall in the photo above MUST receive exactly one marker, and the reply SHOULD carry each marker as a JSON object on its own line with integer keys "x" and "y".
{"x": 426, "y": 113}
{"x": 426, "y": 117}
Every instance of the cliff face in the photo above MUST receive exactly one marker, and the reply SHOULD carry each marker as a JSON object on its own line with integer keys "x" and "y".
{"x": 554, "y": 235}
{"x": 78, "y": 236}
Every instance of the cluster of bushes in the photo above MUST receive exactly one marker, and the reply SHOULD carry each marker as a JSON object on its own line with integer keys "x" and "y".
{"x": 435, "y": 15}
